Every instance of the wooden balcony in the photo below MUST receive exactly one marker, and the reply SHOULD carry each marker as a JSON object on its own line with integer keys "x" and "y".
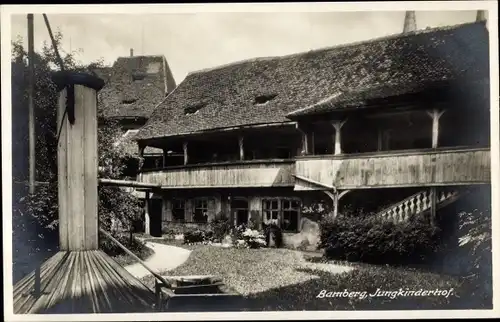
{"x": 432, "y": 167}
{"x": 252, "y": 173}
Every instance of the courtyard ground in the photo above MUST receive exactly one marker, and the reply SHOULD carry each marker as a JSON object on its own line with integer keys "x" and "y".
{"x": 282, "y": 279}
{"x": 165, "y": 257}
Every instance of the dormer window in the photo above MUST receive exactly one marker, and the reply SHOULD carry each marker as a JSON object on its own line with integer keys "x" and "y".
{"x": 138, "y": 76}
{"x": 193, "y": 109}
{"x": 264, "y": 99}
{"x": 129, "y": 101}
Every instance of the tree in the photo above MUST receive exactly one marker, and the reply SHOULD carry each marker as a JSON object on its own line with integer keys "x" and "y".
{"x": 39, "y": 213}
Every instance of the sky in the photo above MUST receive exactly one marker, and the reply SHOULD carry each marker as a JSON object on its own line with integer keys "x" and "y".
{"x": 194, "y": 41}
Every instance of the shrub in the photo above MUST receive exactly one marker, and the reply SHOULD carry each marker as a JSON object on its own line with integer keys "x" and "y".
{"x": 276, "y": 232}
{"x": 112, "y": 249}
{"x": 374, "y": 240}
{"x": 251, "y": 239}
{"x": 195, "y": 236}
{"x": 220, "y": 226}
{"x": 475, "y": 246}
{"x": 255, "y": 220}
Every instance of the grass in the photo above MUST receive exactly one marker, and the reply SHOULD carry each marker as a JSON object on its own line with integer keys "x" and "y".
{"x": 282, "y": 279}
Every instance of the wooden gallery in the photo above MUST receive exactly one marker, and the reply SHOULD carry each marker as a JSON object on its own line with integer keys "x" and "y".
{"x": 404, "y": 119}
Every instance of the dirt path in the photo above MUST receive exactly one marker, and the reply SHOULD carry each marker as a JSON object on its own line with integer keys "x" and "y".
{"x": 165, "y": 258}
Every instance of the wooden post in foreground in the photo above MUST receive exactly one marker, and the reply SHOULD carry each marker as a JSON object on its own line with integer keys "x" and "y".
{"x": 77, "y": 160}
{"x": 31, "y": 104}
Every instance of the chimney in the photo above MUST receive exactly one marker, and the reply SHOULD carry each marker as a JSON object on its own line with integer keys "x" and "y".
{"x": 131, "y": 52}
{"x": 481, "y": 15}
{"x": 410, "y": 22}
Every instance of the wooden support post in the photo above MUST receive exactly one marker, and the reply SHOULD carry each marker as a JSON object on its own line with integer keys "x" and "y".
{"x": 242, "y": 150}
{"x": 433, "y": 205}
{"x": 312, "y": 143}
{"x": 380, "y": 140}
{"x": 304, "y": 147}
{"x": 147, "y": 221}
{"x": 185, "y": 149}
{"x": 435, "y": 114}
{"x": 141, "y": 155}
{"x": 165, "y": 153}
{"x": 337, "y": 125}
{"x": 77, "y": 161}
{"x": 31, "y": 105}
{"x": 335, "y": 204}
{"x": 334, "y": 195}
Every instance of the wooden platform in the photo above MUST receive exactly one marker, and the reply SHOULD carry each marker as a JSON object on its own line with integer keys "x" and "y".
{"x": 196, "y": 293}
{"x": 81, "y": 282}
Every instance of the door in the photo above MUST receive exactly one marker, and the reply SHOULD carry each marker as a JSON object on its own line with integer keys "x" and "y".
{"x": 155, "y": 211}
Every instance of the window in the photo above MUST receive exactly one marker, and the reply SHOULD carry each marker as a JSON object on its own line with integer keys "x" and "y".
{"x": 285, "y": 211}
{"x": 200, "y": 210}
{"x": 178, "y": 210}
{"x": 291, "y": 210}
{"x": 129, "y": 101}
{"x": 263, "y": 99}
{"x": 192, "y": 109}
{"x": 270, "y": 209}
{"x": 138, "y": 76}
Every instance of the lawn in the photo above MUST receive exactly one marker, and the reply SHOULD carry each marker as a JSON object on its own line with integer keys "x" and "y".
{"x": 281, "y": 279}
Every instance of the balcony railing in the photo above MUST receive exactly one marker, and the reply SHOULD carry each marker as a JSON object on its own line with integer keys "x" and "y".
{"x": 429, "y": 167}
{"x": 251, "y": 173}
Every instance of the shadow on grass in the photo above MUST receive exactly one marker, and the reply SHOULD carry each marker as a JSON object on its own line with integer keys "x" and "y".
{"x": 304, "y": 296}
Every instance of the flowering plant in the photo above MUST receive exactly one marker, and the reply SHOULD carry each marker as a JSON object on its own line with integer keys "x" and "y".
{"x": 252, "y": 239}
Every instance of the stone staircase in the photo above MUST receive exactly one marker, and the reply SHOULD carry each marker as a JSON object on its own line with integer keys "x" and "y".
{"x": 418, "y": 204}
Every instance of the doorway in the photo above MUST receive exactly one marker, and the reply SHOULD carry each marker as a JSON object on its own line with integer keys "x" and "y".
{"x": 239, "y": 208}
{"x": 155, "y": 211}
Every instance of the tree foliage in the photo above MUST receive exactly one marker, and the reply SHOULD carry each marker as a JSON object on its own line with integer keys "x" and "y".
{"x": 39, "y": 212}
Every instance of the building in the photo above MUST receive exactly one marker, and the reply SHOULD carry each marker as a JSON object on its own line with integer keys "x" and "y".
{"x": 135, "y": 85}
{"x": 399, "y": 119}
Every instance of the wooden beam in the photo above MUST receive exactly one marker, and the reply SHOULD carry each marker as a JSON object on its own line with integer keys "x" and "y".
{"x": 242, "y": 150}
{"x": 337, "y": 125}
{"x": 343, "y": 193}
{"x": 126, "y": 183}
{"x": 314, "y": 182}
{"x": 185, "y": 149}
{"x": 435, "y": 114}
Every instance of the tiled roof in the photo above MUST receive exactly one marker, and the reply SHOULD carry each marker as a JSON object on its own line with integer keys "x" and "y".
{"x": 266, "y": 90}
{"x": 134, "y": 86}
{"x": 131, "y": 147}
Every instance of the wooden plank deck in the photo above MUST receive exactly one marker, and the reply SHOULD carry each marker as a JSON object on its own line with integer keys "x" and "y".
{"x": 81, "y": 282}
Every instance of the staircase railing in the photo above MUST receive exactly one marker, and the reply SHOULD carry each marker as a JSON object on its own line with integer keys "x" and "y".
{"x": 416, "y": 204}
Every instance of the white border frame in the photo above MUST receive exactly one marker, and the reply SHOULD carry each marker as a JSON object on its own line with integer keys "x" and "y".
{"x": 7, "y": 10}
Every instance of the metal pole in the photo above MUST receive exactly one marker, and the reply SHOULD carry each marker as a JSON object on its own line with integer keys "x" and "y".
{"x": 31, "y": 106}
